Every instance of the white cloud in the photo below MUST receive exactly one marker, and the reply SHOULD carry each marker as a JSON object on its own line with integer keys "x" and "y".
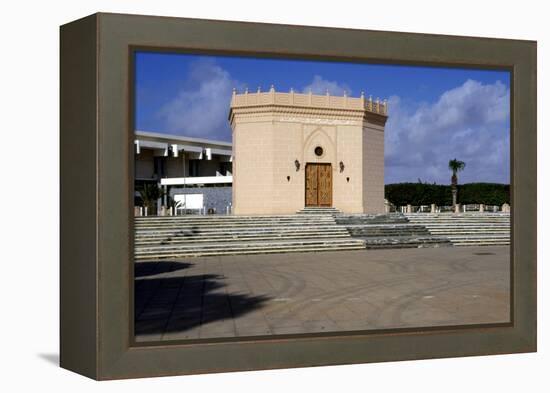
{"x": 320, "y": 86}
{"x": 200, "y": 109}
{"x": 469, "y": 122}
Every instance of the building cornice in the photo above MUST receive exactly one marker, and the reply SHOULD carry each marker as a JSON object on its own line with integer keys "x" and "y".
{"x": 307, "y": 105}
{"x": 287, "y": 113}
{"x": 169, "y": 138}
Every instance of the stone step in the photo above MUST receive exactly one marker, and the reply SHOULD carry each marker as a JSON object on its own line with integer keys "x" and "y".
{"x": 455, "y": 216}
{"x": 460, "y": 220}
{"x": 206, "y": 239}
{"x": 227, "y": 226}
{"x": 482, "y": 243}
{"x": 295, "y": 217}
{"x": 248, "y": 229}
{"x": 389, "y": 231}
{"x": 242, "y": 235}
{"x": 374, "y": 221}
{"x": 481, "y": 240}
{"x": 469, "y": 230}
{"x": 467, "y": 227}
{"x": 229, "y": 218}
{"x": 247, "y": 248}
{"x": 461, "y": 223}
{"x": 217, "y": 217}
{"x": 274, "y": 243}
{"x": 229, "y": 230}
{"x": 469, "y": 223}
{"x": 406, "y": 242}
{"x": 477, "y": 236}
{"x": 461, "y": 214}
{"x": 362, "y": 232}
{"x": 250, "y": 251}
{"x": 412, "y": 218}
{"x": 384, "y": 225}
{"x": 324, "y": 219}
{"x": 182, "y": 236}
{"x": 318, "y": 210}
{"x": 308, "y": 213}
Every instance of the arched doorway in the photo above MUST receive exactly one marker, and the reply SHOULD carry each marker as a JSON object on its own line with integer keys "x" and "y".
{"x": 318, "y": 184}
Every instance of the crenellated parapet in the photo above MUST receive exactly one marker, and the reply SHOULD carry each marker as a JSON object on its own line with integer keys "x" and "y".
{"x": 308, "y": 100}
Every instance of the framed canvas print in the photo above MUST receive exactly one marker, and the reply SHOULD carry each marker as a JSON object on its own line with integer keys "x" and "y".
{"x": 242, "y": 196}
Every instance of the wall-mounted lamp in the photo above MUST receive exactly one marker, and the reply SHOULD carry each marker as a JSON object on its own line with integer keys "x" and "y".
{"x": 297, "y": 165}
{"x": 288, "y": 178}
{"x": 341, "y": 167}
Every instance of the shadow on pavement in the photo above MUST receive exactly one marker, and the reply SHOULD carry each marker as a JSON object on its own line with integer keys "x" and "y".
{"x": 177, "y": 304}
{"x": 150, "y": 268}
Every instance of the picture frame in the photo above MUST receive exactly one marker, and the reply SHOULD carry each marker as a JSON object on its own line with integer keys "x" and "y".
{"x": 96, "y": 240}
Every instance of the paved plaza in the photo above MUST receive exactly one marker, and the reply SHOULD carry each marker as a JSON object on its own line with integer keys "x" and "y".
{"x": 270, "y": 294}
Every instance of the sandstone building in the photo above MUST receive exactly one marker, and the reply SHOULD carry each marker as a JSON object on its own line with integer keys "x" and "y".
{"x": 292, "y": 150}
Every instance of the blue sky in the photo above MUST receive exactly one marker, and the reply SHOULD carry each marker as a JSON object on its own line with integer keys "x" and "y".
{"x": 435, "y": 114}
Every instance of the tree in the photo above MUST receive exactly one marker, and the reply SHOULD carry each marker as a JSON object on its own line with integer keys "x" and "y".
{"x": 455, "y": 166}
{"x": 150, "y": 193}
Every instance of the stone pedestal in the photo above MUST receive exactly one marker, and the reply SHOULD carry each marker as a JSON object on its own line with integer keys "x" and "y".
{"x": 457, "y": 208}
{"x": 506, "y": 208}
{"x": 481, "y": 207}
{"x": 409, "y": 209}
{"x": 387, "y": 206}
{"x": 433, "y": 208}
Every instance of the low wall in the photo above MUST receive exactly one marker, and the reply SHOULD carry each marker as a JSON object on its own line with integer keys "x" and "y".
{"x": 217, "y": 198}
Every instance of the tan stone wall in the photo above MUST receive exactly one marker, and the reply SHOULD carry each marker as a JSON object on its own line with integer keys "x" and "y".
{"x": 264, "y": 155}
{"x": 268, "y": 140}
{"x": 285, "y": 146}
{"x": 373, "y": 169}
{"x": 348, "y": 194}
{"x": 253, "y": 169}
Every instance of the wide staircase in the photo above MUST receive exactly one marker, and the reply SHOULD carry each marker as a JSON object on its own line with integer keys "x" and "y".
{"x": 466, "y": 229}
{"x": 390, "y": 231}
{"x": 313, "y": 229}
{"x": 193, "y": 235}
{"x": 316, "y": 210}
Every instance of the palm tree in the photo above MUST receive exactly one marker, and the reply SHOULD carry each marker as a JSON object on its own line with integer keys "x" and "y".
{"x": 455, "y": 166}
{"x": 150, "y": 193}
{"x": 175, "y": 205}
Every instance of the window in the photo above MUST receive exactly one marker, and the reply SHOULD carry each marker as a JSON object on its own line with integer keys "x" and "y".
{"x": 193, "y": 168}
{"x": 318, "y": 151}
{"x": 159, "y": 167}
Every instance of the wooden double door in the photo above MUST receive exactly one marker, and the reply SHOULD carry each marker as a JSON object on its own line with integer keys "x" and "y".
{"x": 318, "y": 185}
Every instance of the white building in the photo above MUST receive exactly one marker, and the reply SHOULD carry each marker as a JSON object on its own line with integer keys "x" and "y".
{"x": 194, "y": 171}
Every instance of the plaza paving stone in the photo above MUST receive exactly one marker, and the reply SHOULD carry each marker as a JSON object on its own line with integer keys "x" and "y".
{"x": 277, "y": 294}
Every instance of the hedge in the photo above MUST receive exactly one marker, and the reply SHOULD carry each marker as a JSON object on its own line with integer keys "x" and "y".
{"x": 416, "y": 194}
